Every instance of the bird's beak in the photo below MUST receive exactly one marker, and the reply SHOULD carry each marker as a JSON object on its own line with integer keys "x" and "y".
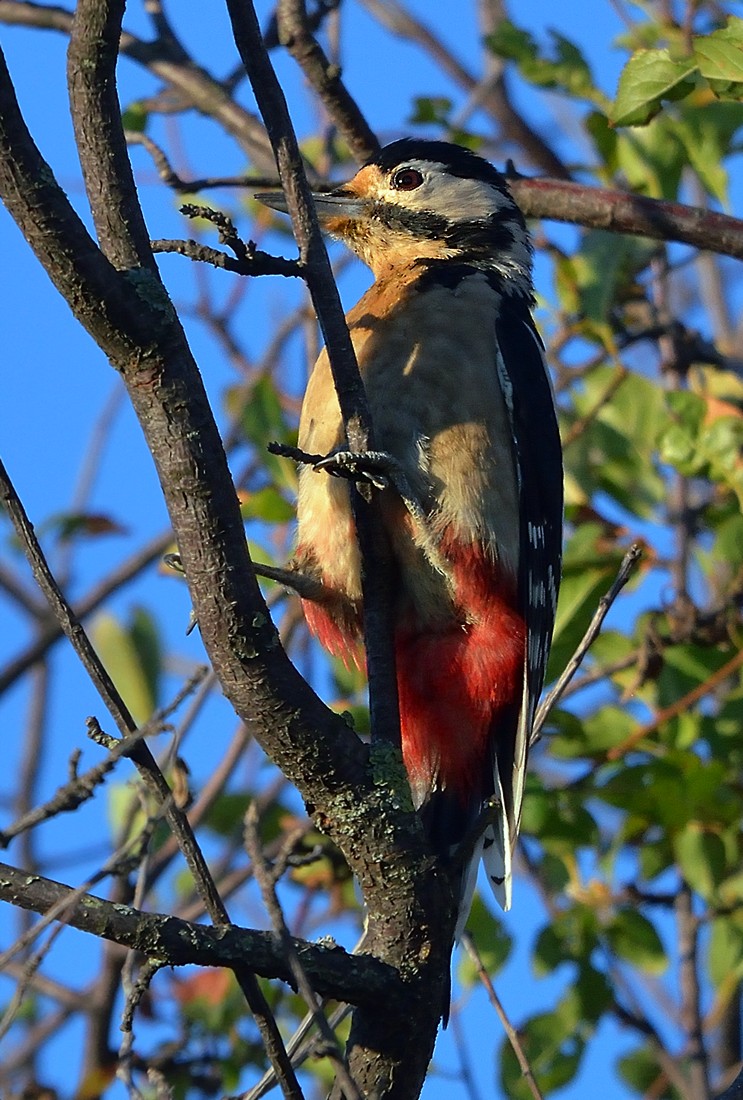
{"x": 329, "y": 205}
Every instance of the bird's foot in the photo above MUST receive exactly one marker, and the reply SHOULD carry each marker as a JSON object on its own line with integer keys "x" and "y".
{"x": 376, "y": 468}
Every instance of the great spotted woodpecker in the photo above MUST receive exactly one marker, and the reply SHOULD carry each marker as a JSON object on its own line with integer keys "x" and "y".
{"x": 463, "y": 410}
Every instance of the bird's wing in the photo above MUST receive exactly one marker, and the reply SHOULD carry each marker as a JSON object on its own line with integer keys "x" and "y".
{"x": 537, "y": 455}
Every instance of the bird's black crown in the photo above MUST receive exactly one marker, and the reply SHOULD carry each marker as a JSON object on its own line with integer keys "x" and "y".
{"x": 458, "y": 160}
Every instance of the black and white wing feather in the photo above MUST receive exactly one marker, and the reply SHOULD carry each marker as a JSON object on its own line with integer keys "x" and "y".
{"x": 537, "y": 455}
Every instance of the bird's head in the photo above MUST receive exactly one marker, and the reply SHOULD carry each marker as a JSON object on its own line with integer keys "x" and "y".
{"x": 418, "y": 202}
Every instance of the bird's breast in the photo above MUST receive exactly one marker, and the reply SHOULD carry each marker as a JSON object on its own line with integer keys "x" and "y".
{"x": 427, "y": 359}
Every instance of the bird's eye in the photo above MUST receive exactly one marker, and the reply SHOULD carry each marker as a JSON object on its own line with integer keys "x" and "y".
{"x": 407, "y": 179}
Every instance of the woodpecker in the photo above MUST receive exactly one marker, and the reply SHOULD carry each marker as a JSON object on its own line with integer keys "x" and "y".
{"x": 463, "y": 411}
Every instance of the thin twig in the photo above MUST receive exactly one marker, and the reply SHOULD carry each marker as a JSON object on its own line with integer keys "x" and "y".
{"x": 134, "y": 989}
{"x": 15, "y": 587}
{"x": 30, "y": 967}
{"x": 266, "y": 878}
{"x": 193, "y": 86}
{"x": 254, "y": 263}
{"x": 295, "y": 33}
{"x": 469, "y": 945}
{"x": 691, "y": 1008}
{"x": 129, "y": 570}
{"x": 679, "y": 707}
{"x": 579, "y": 426}
{"x": 629, "y": 561}
{"x": 82, "y": 787}
{"x": 465, "y": 1062}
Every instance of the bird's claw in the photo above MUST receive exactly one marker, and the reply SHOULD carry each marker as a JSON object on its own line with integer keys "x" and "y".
{"x": 375, "y": 468}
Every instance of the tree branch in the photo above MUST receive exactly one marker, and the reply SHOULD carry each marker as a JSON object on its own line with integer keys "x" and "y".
{"x": 358, "y": 979}
{"x": 194, "y": 85}
{"x": 96, "y": 118}
{"x": 376, "y": 576}
{"x": 255, "y": 263}
{"x": 296, "y": 35}
{"x": 471, "y": 948}
{"x": 622, "y": 212}
{"x": 629, "y": 561}
{"x": 134, "y": 323}
{"x": 411, "y": 903}
{"x": 52, "y": 632}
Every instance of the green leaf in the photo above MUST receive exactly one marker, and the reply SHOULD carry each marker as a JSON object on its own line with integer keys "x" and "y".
{"x": 720, "y": 58}
{"x": 557, "y": 817}
{"x": 614, "y": 451}
{"x": 588, "y": 569}
{"x": 631, "y": 936}
{"x": 652, "y": 158}
{"x": 563, "y": 67}
{"x": 592, "y": 995}
{"x": 135, "y": 117}
{"x": 725, "y": 952}
{"x": 553, "y": 1050}
{"x": 599, "y": 268}
{"x": 701, "y": 858}
{"x": 430, "y": 110}
{"x": 697, "y": 448}
{"x": 146, "y": 640}
{"x": 641, "y": 1071}
{"x": 686, "y": 667}
{"x": 728, "y": 545}
{"x": 131, "y": 656}
{"x": 512, "y": 43}
{"x": 649, "y": 77}
{"x": 605, "y": 142}
{"x": 225, "y": 816}
{"x": 266, "y": 504}
{"x": 706, "y": 134}
{"x": 125, "y": 812}
{"x": 570, "y": 936}
{"x": 263, "y": 421}
{"x": 605, "y": 728}
{"x": 655, "y": 858}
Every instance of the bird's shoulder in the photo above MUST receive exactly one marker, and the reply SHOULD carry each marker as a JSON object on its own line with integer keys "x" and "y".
{"x": 441, "y": 288}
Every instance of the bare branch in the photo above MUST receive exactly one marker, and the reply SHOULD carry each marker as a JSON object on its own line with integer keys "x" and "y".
{"x": 194, "y": 85}
{"x": 691, "y": 1006}
{"x": 295, "y": 33}
{"x": 679, "y": 707}
{"x": 96, "y": 116}
{"x": 266, "y": 879}
{"x": 255, "y": 262}
{"x": 82, "y": 787}
{"x": 376, "y": 578}
{"x": 358, "y": 979}
{"x": 129, "y": 570}
{"x": 492, "y": 94}
{"x": 136, "y": 326}
{"x": 469, "y": 945}
{"x": 622, "y": 212}
{"x": 141, "y": 756}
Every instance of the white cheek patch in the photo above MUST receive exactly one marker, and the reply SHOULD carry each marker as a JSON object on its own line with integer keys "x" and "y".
{"x": 454, "y": 198}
